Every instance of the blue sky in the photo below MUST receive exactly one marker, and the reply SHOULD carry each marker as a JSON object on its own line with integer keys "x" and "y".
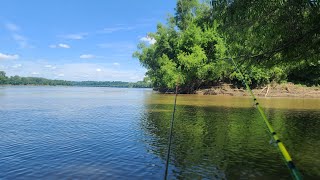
{"x": 77, "y": 39}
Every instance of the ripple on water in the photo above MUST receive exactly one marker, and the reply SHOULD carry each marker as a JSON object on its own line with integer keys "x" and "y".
{"x": 108, "y": 133}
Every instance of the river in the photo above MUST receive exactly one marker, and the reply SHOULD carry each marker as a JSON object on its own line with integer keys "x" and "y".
{"x": 113, "y": 133}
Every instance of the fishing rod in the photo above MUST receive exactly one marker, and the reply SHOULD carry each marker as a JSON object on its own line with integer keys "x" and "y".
{"x": 285, "y": 154}
{"x": 171, "y": 131}
{"x": 283, "y": 151}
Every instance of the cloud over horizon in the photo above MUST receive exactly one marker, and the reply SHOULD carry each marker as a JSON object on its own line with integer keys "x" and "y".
{"x": 73, "y": 43}
{"x": 8, "y": 56}
{"x": 73, "y": 71}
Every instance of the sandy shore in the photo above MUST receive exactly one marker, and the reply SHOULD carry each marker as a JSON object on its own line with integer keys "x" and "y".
{"x": 272, "y": 90}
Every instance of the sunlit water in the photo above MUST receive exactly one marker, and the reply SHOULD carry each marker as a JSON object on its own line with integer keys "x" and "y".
{"x": 110, "y": 133}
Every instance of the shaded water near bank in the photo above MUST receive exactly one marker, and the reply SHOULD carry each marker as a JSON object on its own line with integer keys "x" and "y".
{"x": 110, "y": 133}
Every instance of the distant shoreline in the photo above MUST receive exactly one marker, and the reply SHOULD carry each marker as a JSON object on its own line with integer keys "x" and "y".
{"x": 38, "y": 81}
{"x": 36, "y": 85}
{"x": 278, "y": 90}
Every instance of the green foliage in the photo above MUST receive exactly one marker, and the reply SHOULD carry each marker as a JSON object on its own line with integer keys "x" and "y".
{"x": 184, "y": 52}
{"x": 282, "y": 36}
{"x": 305, "y": 73}
{"x": 17, "y": 80}
{"x": 146, "y": 83}
{"x": 271, "y": 31}
{"x": 118, "y": 84}
{"x": 267, "y": 38}
{"x": 3, "y": 77}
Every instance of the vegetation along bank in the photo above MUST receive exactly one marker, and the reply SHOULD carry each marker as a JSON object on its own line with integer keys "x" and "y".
{"x": 272, "y": 42}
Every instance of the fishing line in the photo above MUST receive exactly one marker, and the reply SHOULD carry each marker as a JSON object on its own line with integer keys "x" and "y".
{"x": 158, "y": 104}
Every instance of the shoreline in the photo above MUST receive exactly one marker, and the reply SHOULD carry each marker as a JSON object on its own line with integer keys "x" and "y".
{"x": 273, "y": 90}
{"x": 288, "y": 90}
{"x": 33, "y": 85}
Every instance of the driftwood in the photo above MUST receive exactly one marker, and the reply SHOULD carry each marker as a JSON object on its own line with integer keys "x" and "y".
{"x": 263, "y": 89}
{"x": 268, "y": 88}
{"x": 267, "y": 91}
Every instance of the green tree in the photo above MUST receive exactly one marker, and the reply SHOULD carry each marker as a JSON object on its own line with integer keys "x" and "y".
{"x": 3, "y": 77}
{"x": 273, "y": 34}
{"x": 268, "y": 39}
{"x": 188, "y": 50}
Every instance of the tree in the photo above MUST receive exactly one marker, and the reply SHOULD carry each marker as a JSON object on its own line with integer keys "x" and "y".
{"x": 188, "y": 50}
{"x": 266, "y": 38}
{"x": 3, "y": 77}
{"x": 273, "y": 33}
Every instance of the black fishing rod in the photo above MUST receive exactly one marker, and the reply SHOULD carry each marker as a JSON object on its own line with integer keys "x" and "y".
{"x": 170, "y": 134}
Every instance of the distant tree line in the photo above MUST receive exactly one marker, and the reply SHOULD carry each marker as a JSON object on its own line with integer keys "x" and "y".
{"x": 120, "y": 84}
{"x": 17, "y": 80}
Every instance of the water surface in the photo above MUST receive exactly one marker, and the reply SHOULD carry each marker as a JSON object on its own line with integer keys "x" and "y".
{"x": 111, "y": 133}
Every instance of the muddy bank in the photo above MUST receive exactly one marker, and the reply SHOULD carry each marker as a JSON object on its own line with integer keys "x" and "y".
{"x": 272, "y": 90}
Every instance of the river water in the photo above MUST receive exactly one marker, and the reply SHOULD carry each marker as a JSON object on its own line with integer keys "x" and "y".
{"x": 111, "y": 133}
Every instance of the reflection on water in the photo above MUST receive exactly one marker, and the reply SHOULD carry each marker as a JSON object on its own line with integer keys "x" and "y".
{"x": 103, "y": 133}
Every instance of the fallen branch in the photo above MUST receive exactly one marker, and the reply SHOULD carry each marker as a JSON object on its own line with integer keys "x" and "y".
{"x": 267, "y": 91}
{"x": 263, "y": 89}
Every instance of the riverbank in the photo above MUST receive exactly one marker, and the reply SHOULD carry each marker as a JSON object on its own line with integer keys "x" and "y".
{"x": 272, "y": 90}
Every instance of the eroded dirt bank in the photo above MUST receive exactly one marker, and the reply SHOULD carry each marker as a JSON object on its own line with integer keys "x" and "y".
{"x": 272, "y": 90}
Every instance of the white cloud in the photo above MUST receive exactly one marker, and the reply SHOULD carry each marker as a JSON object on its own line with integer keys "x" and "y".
{"x": 8, "y": 56}
{"x": 17, "y": 66}
{"x": 12, "y": 27}
{"x": 116, "y": 64}
{"x": 61, "y": 45}
{"x": 76, "y": 36}
{"x": 49, "y": 66}
{"x": 148, "y": 39}
{"x": 87, "y": 56}
{"x": 64, "y": 46}
{"x": 73, "y": 71}
{"x": 35, "y": 73}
